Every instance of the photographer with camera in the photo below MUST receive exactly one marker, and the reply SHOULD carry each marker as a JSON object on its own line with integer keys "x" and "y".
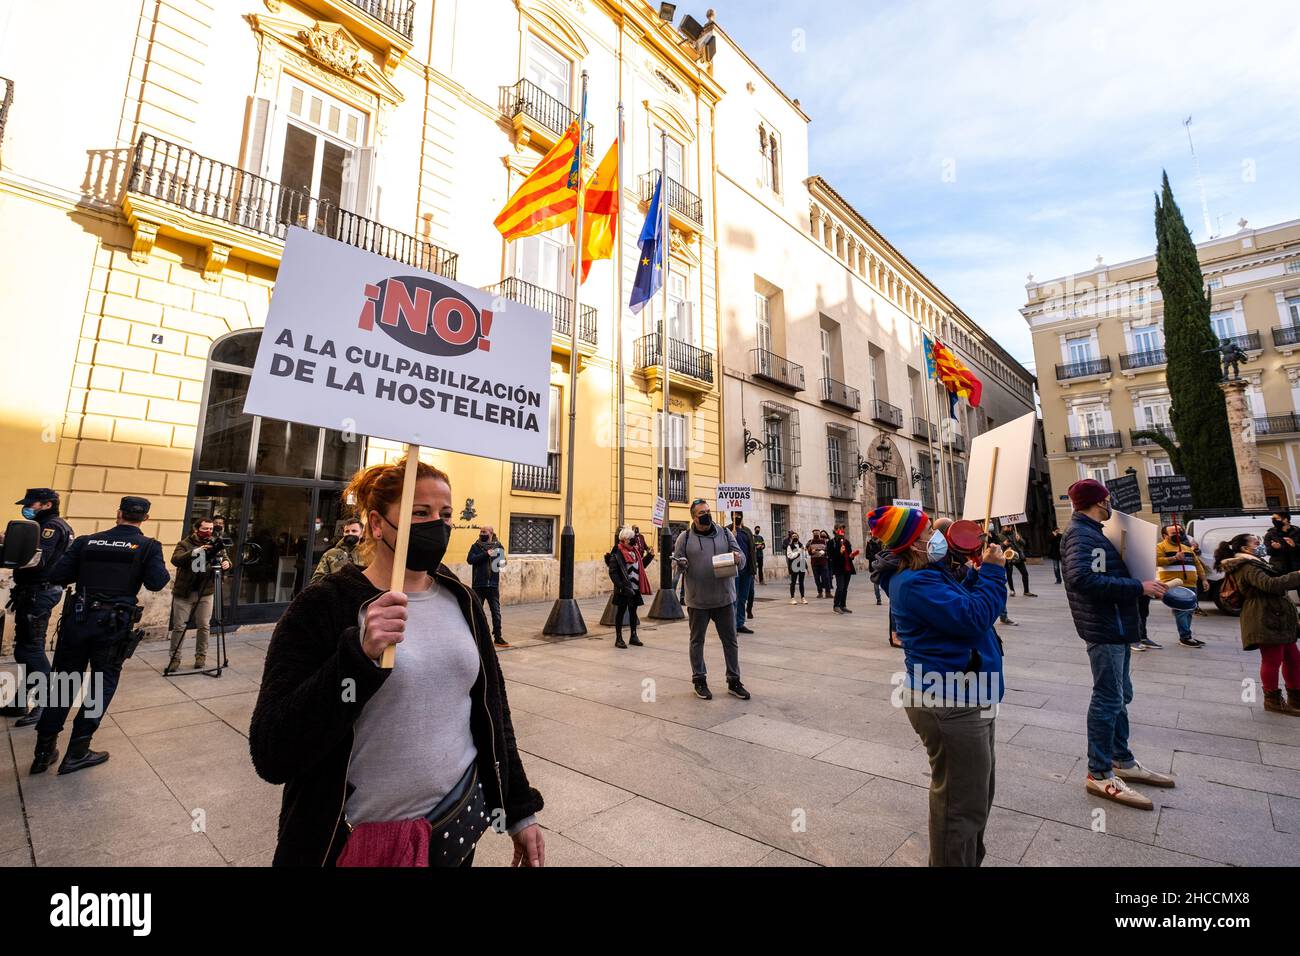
{"x": 195, "y": 559}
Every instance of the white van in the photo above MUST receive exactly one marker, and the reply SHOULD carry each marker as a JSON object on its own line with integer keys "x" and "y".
{"x": 1210, "y": 532}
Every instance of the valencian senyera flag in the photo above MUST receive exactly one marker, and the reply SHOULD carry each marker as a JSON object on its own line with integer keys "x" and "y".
{"x": 548, "y": 198}
{"x": 942, "y": 365}
{"x": 650, "y": 263}
{"x": 600, "y": 212}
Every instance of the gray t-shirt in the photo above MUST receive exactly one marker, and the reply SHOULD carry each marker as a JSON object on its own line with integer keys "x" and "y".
{"x": 413, "y": 740}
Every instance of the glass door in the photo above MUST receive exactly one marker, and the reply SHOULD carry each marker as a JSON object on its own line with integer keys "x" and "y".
{"x": 277, "y": 538}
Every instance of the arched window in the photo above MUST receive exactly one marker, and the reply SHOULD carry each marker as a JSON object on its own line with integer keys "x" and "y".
{"x": 276, "y": 485}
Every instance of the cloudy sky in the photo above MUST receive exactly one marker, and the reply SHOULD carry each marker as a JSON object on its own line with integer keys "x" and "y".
{"x": 995, "y": 139}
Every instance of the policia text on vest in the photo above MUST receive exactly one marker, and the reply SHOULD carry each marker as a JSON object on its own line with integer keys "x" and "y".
{"x": 97, "y": 628}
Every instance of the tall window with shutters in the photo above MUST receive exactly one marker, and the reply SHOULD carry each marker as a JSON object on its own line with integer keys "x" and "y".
{"x": 677, "y": 474}
{"x": 315, "y": 146}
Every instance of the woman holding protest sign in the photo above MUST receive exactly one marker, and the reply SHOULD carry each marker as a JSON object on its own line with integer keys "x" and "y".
{"x": 405, "y": 766}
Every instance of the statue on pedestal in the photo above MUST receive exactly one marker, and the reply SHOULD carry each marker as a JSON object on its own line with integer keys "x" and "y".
{"x": 1231, "y": 355}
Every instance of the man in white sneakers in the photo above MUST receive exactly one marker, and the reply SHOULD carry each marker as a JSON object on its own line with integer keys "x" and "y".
{"x": 1103, "y": 598}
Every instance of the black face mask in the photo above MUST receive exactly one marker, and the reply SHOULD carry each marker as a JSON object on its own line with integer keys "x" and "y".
{"x": 1278, "y": 523}
{"x": 350, "y": 541}
{"x": 484, "y": 538}
{"x": 705, "y": 521}
{"x": 427, "y": 544}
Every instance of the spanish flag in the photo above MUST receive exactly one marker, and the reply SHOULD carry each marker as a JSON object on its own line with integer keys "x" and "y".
{"x": 942, "y": 364}
{"x": 549, "y": 196}
{"x": 600, "y": 212}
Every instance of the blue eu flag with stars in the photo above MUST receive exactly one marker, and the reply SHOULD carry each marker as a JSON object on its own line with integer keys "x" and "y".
{"x": 650, "y": 263}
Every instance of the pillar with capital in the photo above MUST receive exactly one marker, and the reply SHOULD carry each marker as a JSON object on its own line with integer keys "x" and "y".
{"x": 1241, "y": 425}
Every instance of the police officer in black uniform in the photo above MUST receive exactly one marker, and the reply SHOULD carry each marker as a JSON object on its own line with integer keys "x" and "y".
{"x": 98, "y": 628}
{"x": 34, "y": 596}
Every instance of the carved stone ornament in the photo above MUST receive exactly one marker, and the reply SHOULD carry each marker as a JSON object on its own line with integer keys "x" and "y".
{"x": 273, "y": 5}
{"x": 334, "y": 48}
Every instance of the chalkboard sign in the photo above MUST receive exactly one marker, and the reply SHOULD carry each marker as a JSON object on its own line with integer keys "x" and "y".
{"x": 1125, "y": 495}
{"x": 1170, "y": 493}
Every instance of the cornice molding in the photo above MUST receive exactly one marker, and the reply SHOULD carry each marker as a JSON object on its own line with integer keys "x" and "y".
{"x": 326, "y": 49}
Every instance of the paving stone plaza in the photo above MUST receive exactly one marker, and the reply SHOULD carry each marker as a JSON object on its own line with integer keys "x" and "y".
{"x": 817, "y": 769}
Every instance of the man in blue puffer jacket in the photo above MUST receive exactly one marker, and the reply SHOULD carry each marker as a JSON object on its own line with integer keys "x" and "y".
{"x": 1103, "y": 598}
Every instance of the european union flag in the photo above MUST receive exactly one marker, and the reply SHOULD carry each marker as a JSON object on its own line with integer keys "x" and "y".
{"x": 650, "y": 264}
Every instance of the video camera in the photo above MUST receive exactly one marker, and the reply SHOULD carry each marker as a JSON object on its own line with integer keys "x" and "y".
{"x": 21, "y": 547}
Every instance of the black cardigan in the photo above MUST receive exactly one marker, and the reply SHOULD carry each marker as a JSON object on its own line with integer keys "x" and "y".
{"x": 316, "y": 682}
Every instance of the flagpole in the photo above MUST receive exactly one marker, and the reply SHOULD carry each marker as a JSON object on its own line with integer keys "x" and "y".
{"x": 610, "y": 613}
{"x": 618, "y": 336}
{"x": 929, "y": 423}
{"x": 565, "y": 619}
{"x": 665, "y": 605}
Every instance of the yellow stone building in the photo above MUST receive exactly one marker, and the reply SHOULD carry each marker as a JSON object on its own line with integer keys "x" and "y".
{"x": 145, "y": 197}
{"x": 1099, "y": 344}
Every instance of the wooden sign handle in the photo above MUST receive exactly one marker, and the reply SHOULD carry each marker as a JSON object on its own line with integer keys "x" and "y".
{"x": 988, "y": 503}
{"x": 398, "y": 579}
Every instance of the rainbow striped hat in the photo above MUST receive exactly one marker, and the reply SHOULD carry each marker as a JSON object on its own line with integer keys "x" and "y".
{"x": 895, "y": 527}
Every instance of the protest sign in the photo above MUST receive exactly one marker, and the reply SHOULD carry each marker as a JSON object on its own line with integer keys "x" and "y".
{"x": 358, "y": 342}
{"x": 734, "y": 498}
{"x": 1135, "y": 540}
{"x": 366, "y": 345}
{"x": 907, "y": 503}
{"x": 1125, "y": 495}
{"x": 997, "y": 481}
{"x": 660, "y": 507}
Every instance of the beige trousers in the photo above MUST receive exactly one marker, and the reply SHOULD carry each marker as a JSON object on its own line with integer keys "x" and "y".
{"x": 181, "y": 608}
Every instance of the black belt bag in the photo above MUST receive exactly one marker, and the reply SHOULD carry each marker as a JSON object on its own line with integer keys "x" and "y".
{"x": 458, "y": 821}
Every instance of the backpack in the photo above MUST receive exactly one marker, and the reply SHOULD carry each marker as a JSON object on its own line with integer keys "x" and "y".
{"x": 1230, "y": 595}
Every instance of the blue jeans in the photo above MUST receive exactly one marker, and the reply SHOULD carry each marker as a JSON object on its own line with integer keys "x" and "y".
{"x": 1184, "y": 621}
{"x": 1112, "y": 691}
{"x": 744, "y": 588}
{"x": 1056, "y": 568}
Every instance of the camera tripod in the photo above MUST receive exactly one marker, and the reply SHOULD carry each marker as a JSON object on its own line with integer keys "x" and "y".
{"x": 217, "y": 633}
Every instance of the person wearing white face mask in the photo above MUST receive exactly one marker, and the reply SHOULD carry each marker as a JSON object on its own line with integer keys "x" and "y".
{"x": 953, "y": 679}
{"x": 796, "y": 560}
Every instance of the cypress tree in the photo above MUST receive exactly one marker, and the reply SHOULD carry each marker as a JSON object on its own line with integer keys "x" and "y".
{"x": 1198, "y": 410}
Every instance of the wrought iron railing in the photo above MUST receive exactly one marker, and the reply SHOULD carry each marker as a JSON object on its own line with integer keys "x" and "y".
{"x": 397, "y": 15}
{"x": 787, "y": 479}
{"x": 956, "y": 441}
{"x": 1277, "y": 424}
{"x": 682, "y": 358}
{"x": 179, "y": 176}
{"x": 1166, "y": 430}
{"x": 676, "y": 484}
{"x": 842, "y": 487}
{"x": 1097, "y": 442}
{"x": 774, "y": 368}
{"x": 1286, "y": 335}
{"x": 1151, "y": 358}
{"x": 1247, "y": 341}
{"x": 558, "y": 306}
{"x": 1099, "y": 366}
{"x": 886, "y": 414}
{"x": 923, "y": 429}
{"x": 680, "y": 198}
{"x": 837, "y": 393}
{"x": 538, "y": 478}
{"x": 526, "y": 98}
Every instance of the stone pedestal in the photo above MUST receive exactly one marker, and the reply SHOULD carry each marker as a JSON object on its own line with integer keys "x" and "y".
{"x": 1241, "y": 425}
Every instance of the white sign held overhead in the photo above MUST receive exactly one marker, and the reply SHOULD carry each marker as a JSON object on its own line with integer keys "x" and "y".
{"x": 358, "y": 342}
{"x": 1021, "y": 518}
{"x": 907, "y": 503}
{"x": 734, "y": 498}
{"x": 997, "y": 481}
{"x": 1135, "y": 540}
